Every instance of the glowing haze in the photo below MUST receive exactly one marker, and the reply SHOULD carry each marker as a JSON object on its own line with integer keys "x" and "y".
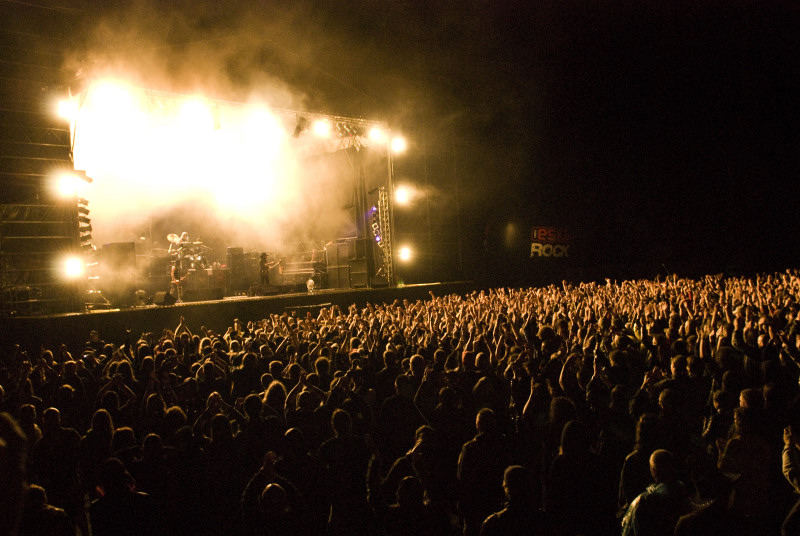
{"x": 182, "y": 119}
{"x": 227, "y": 173}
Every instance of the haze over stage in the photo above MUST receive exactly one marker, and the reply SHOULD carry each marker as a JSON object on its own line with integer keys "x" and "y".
{"x": 232, "y": 173}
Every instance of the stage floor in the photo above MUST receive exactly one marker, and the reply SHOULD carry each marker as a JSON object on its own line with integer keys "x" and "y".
{"x": 73, "y": 329}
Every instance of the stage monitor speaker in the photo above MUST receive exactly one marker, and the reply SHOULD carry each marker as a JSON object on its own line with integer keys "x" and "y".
{"x": 378, "y": 281}
{"x": 163, "y": 298}
{"x": 263, "y": 290}
{"x": 156, "y": 283}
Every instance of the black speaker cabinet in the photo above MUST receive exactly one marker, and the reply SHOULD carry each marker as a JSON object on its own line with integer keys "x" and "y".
{"x": 238, "y": 279}
{"x": 338, "y": 277}
{"x": 163, "y": 297}
{"x": 263, "y": 290}
{"x": 358, "y": 273}
{"x": 361, "y": 246}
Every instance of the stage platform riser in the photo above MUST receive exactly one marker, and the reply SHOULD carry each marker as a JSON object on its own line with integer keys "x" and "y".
{"x": 73, "y": 329}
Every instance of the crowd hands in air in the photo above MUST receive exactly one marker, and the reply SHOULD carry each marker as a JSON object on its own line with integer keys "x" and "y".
{"x": 644, "y": 407}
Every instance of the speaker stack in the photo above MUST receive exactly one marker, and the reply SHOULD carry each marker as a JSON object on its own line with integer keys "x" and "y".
{"x": 338, "y": 270}
{"x": 347, "y": 263}
{"x": 358, "y": 264}
{"x": 238, "y": 280}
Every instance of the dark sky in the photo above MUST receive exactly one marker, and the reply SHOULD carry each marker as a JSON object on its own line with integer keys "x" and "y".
{"x": 662, "y": 133}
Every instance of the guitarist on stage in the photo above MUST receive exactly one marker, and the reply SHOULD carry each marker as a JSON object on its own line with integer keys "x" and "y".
{"x": 177, "y": 277}
{"x": 264, "y": 266}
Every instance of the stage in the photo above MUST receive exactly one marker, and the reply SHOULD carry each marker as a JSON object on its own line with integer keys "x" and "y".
{"x": 72, "y": 329}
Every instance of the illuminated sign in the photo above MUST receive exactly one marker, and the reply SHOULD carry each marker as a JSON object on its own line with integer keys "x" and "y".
{"x": 550, "y": 242}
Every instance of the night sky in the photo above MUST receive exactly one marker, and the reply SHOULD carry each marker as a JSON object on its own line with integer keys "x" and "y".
{"x": 663, "y": 134}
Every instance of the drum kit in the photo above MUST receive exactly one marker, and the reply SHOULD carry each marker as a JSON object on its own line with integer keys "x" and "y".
{"x": 194, "y": 255}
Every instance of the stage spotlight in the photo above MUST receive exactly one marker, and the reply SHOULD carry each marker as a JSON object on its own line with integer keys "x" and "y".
{"x": 404, "y": 254}
{"x": 67, "y": 185}
{"x": 73, "y": 267}
{"x": 377, "y": 135}
{"x": 376, "y": 226}
{"x": 68, "y": 109}
{"x": 348, "y": 130}
{"x": 302, "y": 124}
{"x": 399, "y": 145}
{"x": 403, "y": 195}
{"x": 322, "y": 128}
{"x": 112, "y": 98}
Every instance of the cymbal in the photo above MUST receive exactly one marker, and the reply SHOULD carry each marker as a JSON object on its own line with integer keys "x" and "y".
{"x": 173, "y": 238}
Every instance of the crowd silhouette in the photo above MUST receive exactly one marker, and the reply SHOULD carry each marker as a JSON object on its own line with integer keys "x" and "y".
{"x": 641, "y": 407}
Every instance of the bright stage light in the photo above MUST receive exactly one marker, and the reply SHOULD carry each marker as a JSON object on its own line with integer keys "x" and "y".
{"x": 377, "y": 135}
{"x": 111, "y": 98}
{"x": 109, "y": 122}
{"x": 68, "y": 109}
{"x": 67, "y": 185}
{"x": 403, "y": 195}
{"x": 322, "y": 128}
{"x": 238, "y": 164}
{"x": 263, "y": 132}
{"x": 404, "y": 254}
{"x": 399, "y": 145}
{"x": 73, "y": 267}
{"x": 196, "y": 115}
{"x": 70, "y": 183}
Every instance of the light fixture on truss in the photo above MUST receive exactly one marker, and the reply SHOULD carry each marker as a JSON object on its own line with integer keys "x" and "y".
{"x": 350, "y": 135}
